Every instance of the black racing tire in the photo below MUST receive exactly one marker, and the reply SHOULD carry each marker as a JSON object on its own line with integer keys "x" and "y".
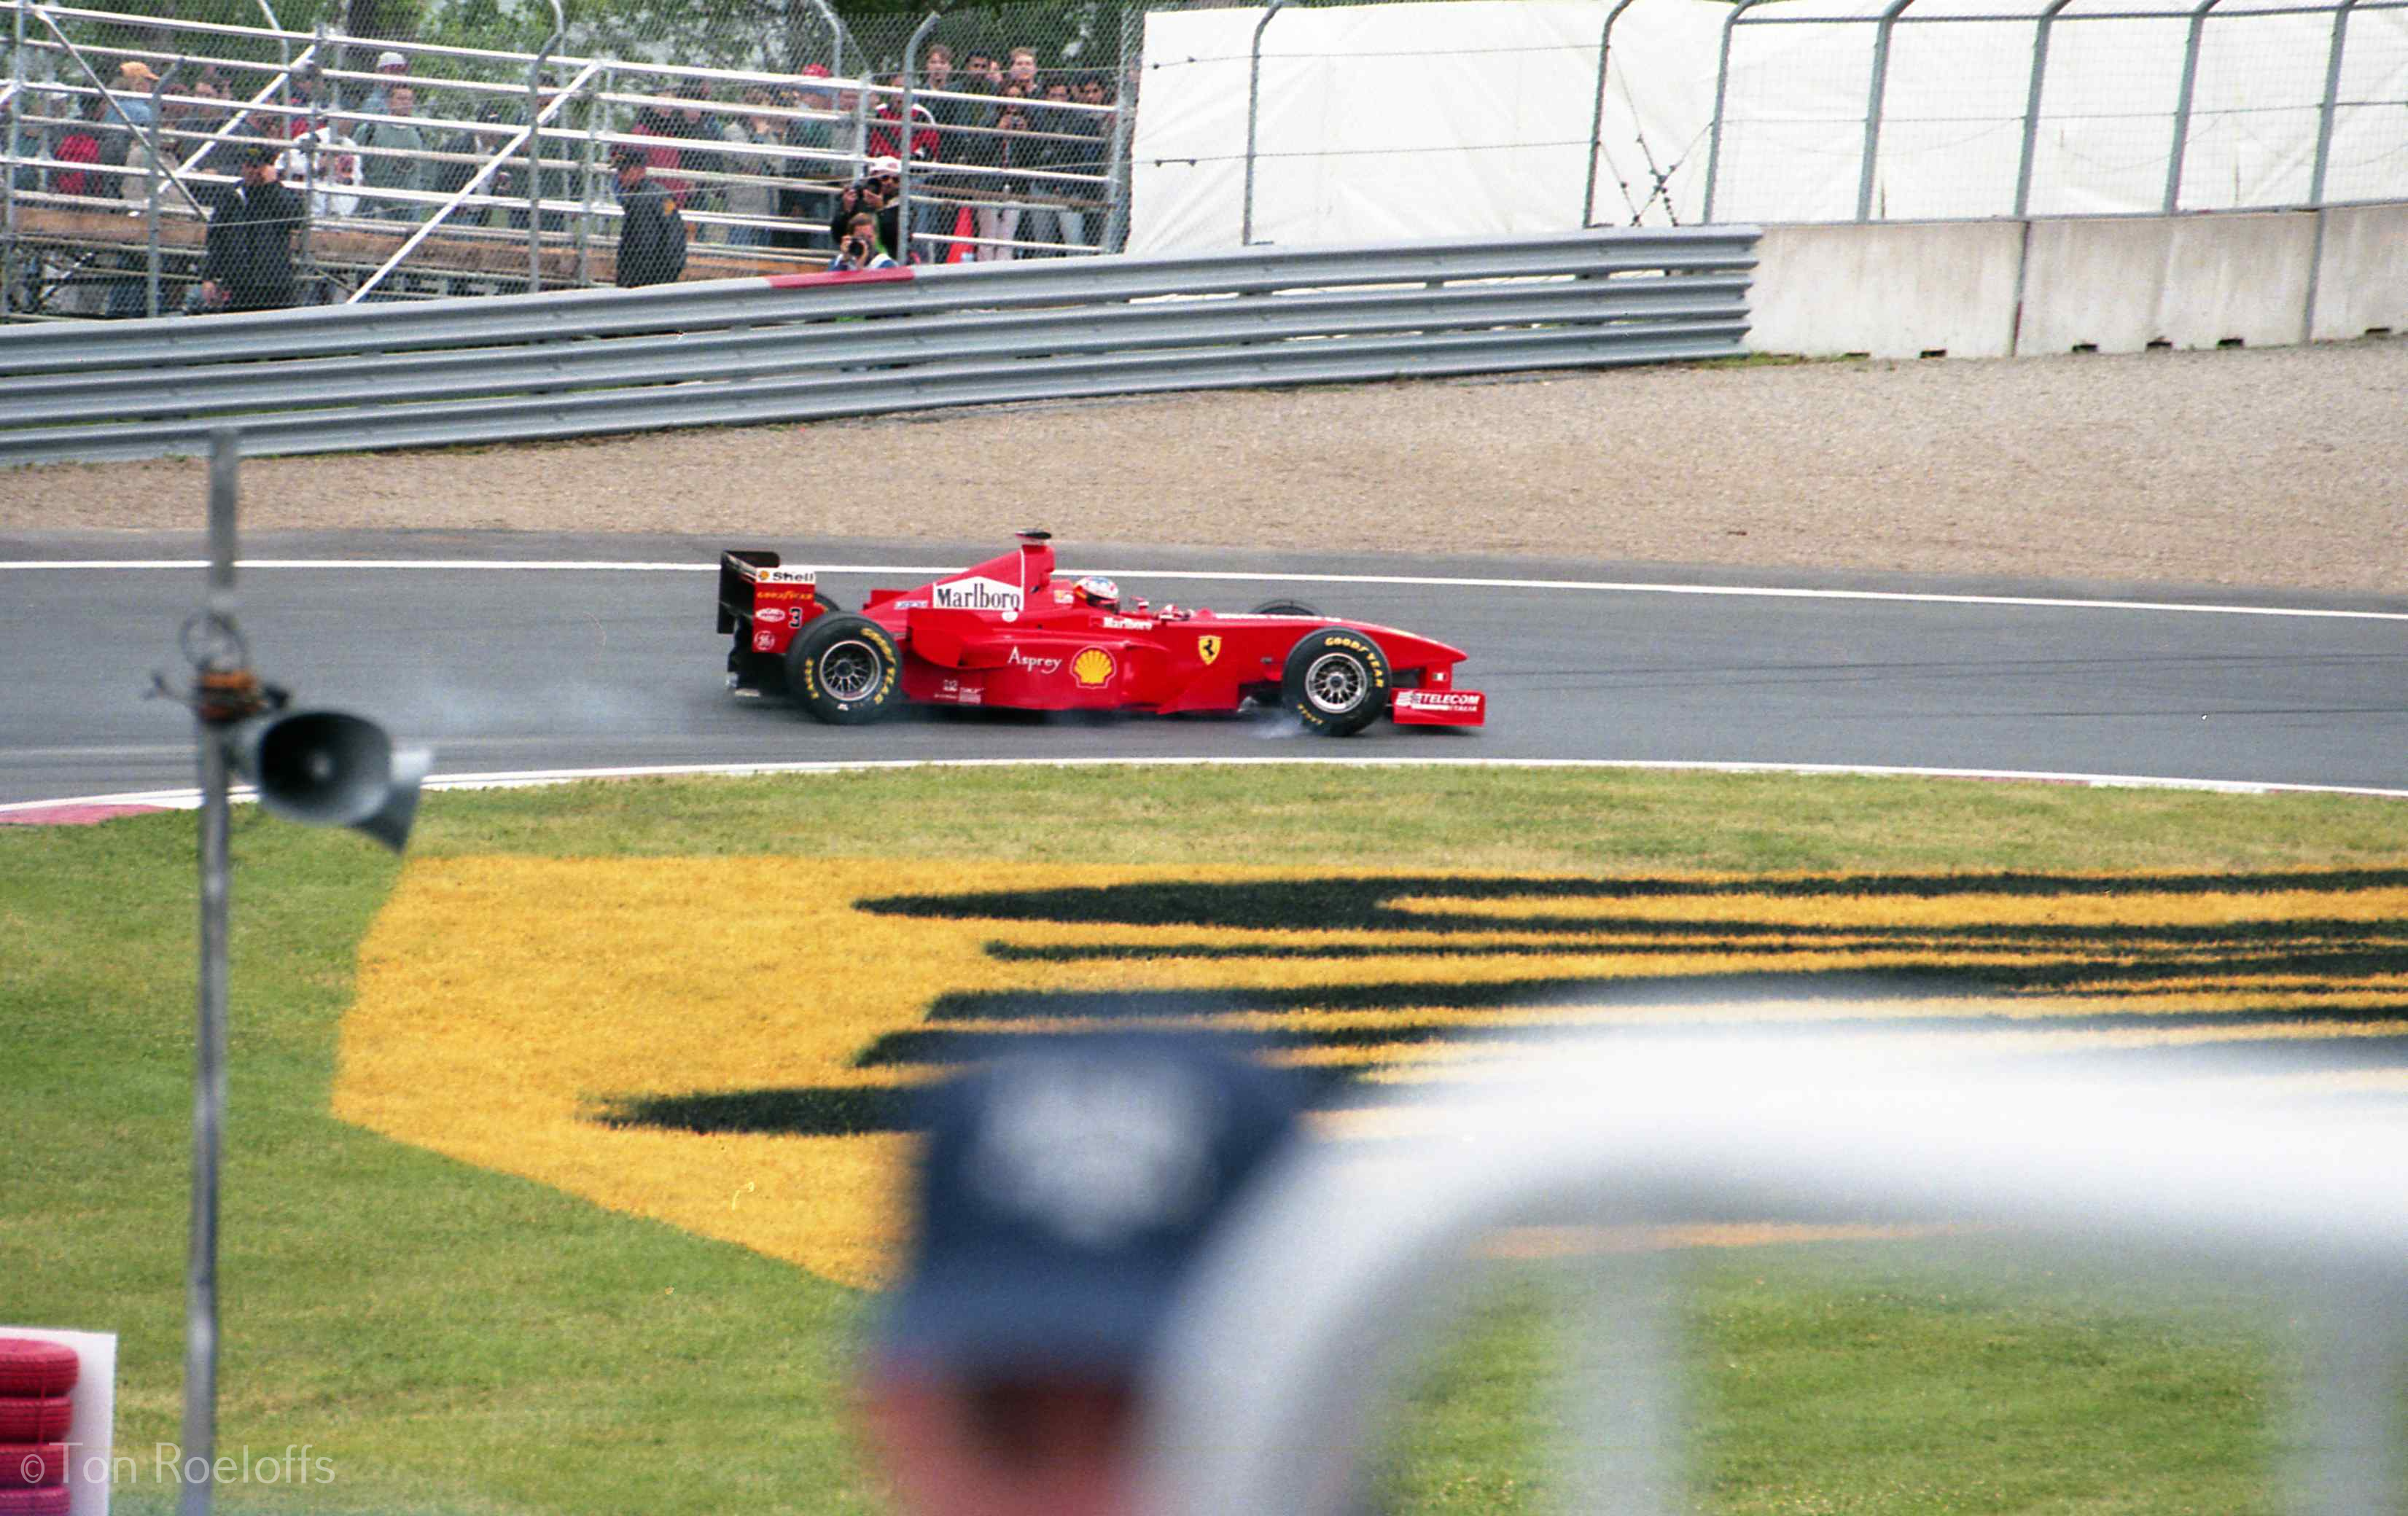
{"x": 826, "y": 601}
{"x": 1284, "y": 607}
{"x": 845, "y": 670}
{"x": 1335, "y": 682}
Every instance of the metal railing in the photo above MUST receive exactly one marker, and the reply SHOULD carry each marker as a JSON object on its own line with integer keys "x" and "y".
{"x": 810, "y": 345}
{"x": 758, "y": 158}
{"x": 1277, "y": 1382}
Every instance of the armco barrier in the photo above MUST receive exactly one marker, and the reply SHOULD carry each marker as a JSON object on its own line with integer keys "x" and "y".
{"x": 805, "y": 347}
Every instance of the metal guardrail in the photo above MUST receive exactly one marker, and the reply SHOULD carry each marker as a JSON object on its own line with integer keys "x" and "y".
{"x": 804, "y": 347}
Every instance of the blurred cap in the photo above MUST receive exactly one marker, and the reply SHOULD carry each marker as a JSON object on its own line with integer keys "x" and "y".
{"x": 391, "y": 60}
{"x": 815, "y": 71}
{"x": 256, "y": 155}
{"x": 882, "y": 168}
{"x": 136, "y": 68}
{"x": 623, "y": 157}
{"x": 1063, "y": 1195}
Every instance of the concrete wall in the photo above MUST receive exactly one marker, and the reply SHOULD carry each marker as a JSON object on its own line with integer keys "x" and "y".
{"x": 1889, "y": 289}
{"x": 2364, "y": 283}
{"x": 1899, "y": 289}
{"x": 2190, "y": 281}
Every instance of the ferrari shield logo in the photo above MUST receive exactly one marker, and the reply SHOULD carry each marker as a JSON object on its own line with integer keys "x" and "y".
{"x": 1208, "y": 648}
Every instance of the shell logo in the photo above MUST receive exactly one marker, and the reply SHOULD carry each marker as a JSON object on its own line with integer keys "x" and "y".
{"x": 1093, "y": 668}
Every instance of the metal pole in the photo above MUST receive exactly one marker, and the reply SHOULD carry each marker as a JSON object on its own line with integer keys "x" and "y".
{"x": 535, "y": 149}
{"x": 219, "y": 673}
{"x": 1116, "y": 165}
{"x": 13, "y": 125}
{"x": 2031, "y": 109}
{"x": 1722, "y": 96}
{"x": 903, "y": 176}
{"x": 1873, "y": 96}
{"x": 1253, "y": 116}
{"x": 150, "y": 202}
{"x": 1596, "y": 117}
{"x": 2324, "y": 162}
{"x": 2332, "y": 95}
{"x": 586, "y": 155}
{"x": 2182, "y": 102}
{"x": 238, "y": 121}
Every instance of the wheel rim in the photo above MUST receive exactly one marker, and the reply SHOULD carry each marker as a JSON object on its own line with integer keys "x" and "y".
{"x": 850, "y": 670}
{"x": 1337, "y": 682}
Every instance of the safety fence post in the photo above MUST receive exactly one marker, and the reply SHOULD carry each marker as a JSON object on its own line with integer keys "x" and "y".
{"x": 1874, "y": 93}
{"x": 2324, "y": 162}
{"x": 2183, "y": 99}
{"x": 1253, "y": 116}
{"x": 1722, "y": 98}
{"x": 903, "y": 159}
{"x": 1597, "y": 115}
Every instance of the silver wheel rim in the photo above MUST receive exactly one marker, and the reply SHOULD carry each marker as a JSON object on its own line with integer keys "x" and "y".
{"x": 850, "y": 670}
{"x": 1337, "y": 682}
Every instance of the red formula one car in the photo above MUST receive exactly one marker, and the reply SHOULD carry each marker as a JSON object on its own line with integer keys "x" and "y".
{"x": 1008, "y": 633}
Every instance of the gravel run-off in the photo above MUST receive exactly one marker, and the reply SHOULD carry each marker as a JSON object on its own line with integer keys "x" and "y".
{"x": 2272, "y": 467}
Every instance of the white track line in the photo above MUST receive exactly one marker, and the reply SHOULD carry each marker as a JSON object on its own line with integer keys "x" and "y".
{"x": 922, "y": 572}
{"x": 524, "y": 778}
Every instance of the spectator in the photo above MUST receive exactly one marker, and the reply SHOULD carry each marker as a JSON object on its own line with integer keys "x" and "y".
{"x": 79, "y": 143}
{"x": 329, "y": 163}
{"x": 663, "y": 158}
{"x": 652, "y": 233}
{"x": 1022, "y": 71}
{"x": 1008, "y": 148}
{"x": 399, "y": 163}
{"x": 248, "y": 264}
{"x": 874, "y": 191}
{"x": 860, "y": 247}
{"x": 805, "y": 199}
{"x": 132, "y": 114}
{"x": 1062, "y": 1199}
{"x": 985, "y": 75}
{"x": 885, "y": 139}
{"x": 1051, "y": 221}
{"x": 390, "y": 67}
{"x": 755, "y": 128}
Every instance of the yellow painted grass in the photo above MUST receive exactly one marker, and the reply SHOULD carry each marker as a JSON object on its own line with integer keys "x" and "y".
{"x": 598, "y": 980}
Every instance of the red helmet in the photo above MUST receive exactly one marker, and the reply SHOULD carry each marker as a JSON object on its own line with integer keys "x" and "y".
{"x": 1099, "y": 592}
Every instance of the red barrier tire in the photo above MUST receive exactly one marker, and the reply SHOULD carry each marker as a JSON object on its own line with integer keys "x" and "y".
{"x": 33, "y": 1463}
{"x": 29, "y": 1366}
{"x": 34, "y": 1417}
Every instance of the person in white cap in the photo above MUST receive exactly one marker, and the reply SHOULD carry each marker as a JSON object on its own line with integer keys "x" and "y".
{"x": 390, "y": 65}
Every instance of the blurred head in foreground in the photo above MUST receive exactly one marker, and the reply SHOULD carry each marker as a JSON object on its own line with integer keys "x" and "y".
{"x": 1062, "y": 1197}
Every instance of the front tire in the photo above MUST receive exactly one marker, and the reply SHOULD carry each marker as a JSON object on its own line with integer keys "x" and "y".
{"x": 1335, "y": 682}
{"x": 1284, "y": 607}
{"x": 845, "y": 670}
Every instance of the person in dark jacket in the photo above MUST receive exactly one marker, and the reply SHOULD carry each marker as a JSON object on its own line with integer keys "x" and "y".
{"x": 249, "y": 261}
{"x": 652, "y": 233}
{"x": 875, "y": 192}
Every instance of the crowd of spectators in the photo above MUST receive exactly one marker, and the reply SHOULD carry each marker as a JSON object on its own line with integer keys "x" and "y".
{"x": 1003, "y": 160}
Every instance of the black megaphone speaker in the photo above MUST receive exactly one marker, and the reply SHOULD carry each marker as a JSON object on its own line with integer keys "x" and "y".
{"x": 329, "y": 768}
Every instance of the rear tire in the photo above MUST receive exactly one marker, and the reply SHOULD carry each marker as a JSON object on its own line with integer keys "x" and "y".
{"x": 845, "y": 670}
{"x": 1284, "y": 607}
{"x": 1335, "y": 682}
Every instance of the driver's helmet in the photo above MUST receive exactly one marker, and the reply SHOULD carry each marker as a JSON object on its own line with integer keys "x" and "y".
{"x": 1099, "y": 592}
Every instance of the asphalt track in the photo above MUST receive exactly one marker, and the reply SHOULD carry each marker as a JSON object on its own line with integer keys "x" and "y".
{"x": 510, "y": 669}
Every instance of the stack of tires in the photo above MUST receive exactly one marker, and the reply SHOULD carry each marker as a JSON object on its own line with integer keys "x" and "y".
{"x": 35, "y": 1379}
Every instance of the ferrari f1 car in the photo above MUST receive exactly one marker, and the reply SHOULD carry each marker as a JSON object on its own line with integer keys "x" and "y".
{"x": 1007, "y": 633}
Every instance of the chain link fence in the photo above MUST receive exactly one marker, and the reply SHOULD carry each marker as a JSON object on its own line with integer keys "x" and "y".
{"x": 445, "y": 146}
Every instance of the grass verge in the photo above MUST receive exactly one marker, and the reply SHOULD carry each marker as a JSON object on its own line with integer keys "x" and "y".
{"x": 459, "y": 1341}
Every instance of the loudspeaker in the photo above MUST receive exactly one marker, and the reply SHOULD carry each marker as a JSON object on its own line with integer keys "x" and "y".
{"x": 329, "y": 768}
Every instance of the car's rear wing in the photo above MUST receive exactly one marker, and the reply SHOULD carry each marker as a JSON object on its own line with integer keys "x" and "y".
{"x": 744, "y": 573}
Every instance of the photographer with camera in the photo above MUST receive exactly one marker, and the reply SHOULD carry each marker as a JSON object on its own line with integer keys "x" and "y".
{"x": 860, "y": 248}
{"x": 874, "y": 193}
